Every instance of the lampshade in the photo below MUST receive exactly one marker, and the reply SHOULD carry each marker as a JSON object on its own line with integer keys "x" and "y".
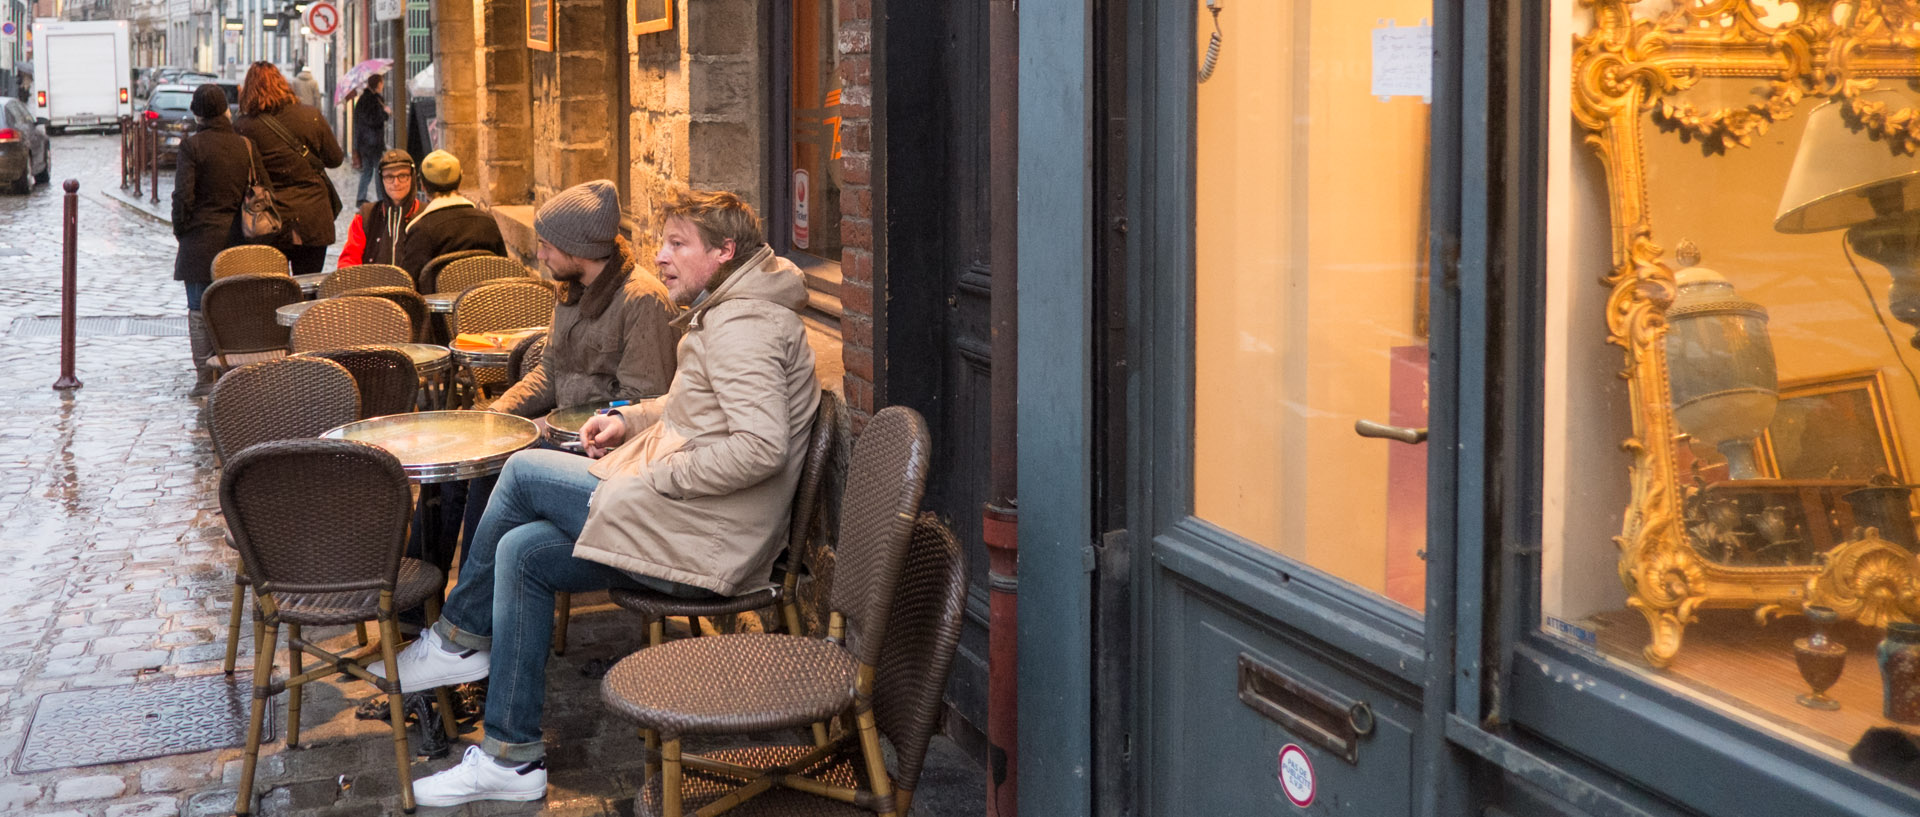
{"x": 1841, "y": 177}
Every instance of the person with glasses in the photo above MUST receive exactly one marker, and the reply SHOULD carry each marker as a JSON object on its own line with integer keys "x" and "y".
{"x": 377, "y": 231}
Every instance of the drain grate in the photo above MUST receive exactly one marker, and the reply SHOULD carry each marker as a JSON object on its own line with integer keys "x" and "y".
{"x": 89, "y": 727}
{"x": 48, "y": 326}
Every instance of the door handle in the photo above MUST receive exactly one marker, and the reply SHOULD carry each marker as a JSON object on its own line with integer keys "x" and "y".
{"x": 1410, "y": 436}
{"x": 1318, "y": 715}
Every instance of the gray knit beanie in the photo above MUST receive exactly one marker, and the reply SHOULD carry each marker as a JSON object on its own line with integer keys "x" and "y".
{"x": 581, "y": 220}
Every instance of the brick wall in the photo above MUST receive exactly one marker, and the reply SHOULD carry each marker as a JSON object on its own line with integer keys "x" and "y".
{"x": 855, "y": 42}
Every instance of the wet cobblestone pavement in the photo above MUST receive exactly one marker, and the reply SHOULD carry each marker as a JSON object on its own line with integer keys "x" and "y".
{"x": 112, "y": 569}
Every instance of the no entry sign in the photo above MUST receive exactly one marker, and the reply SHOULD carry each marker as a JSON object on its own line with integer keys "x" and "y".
{"x": 323, "y": 18}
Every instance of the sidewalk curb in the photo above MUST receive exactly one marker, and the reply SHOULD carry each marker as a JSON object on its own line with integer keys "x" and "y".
{"x": 141, "y": 206}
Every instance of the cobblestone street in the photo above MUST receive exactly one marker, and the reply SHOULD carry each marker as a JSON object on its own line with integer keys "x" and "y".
{"x": 113, "y": 573}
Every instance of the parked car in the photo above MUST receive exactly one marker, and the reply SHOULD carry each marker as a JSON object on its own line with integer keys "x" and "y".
{"x": 25, "y": 154}
{"x": 170, "y": 106}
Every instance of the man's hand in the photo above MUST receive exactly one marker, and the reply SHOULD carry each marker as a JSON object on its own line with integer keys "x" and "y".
{"x": 602, "y": 433}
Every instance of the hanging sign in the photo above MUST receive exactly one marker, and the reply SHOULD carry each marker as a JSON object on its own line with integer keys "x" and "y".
{"x": 387, "y": 11}
{"x": 802, "y": 190}
{"x": 323, "y": 18}
{"x": 1296, "y": 776}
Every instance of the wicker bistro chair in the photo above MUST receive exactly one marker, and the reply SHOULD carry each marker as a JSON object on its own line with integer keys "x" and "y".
{"x": 361, "y": 276}
{"x": 656, "y": 608}
{"x": 430, "y": 274}
{"x": 350, "y": 321}
{"x": 754, "y": 682}
{"x": 526, "y": 357}
{"x": 282, "y": 399}
{"x": 929, "y": 607}
{"x": 250, "y": 259}
{"x": 405, "y": 298}
{"x": 320, "y": 525}
{"x": 466, "y": 273}
{"x": 495, "y": 307}
{"x": 240, "y": 317}
{"x": 384, "y": 375}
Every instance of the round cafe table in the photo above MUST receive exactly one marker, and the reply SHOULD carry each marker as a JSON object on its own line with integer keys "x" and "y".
{"x": 490, "y": 355}
{"x": 441, "y": 302}
{"x": 428, "y": 358}
{"x": 443, "y": 446}
{"x": 310, "y": 282}
{"x": 287, "y": 315}
{"x": 563, "y": 424}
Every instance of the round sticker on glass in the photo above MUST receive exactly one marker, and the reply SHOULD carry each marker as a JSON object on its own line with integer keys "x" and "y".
{"x": 1296, "y": 776}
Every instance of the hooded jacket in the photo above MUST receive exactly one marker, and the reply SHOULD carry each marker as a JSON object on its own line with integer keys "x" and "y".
{"x": 700, "y": 490}
{"x": 447, "y": 224}
{"x": 376, "y": 233}
{"x": 613, "y": 340}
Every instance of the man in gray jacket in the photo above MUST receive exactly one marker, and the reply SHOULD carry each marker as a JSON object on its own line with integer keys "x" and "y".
{"x": 692, "y": 502}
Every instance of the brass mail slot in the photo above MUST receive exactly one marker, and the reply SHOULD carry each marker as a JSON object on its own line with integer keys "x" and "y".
{"x": 1311, "y": 712}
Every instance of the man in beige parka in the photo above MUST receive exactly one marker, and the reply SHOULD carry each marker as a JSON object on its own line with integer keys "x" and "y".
{"x": 687, "y": 494}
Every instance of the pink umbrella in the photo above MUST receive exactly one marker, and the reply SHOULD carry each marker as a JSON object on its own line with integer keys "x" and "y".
{"x": 356, "y": 77}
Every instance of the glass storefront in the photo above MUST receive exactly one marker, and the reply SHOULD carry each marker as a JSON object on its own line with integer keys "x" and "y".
{"x": 813, "y": 135}
{"x": 1310, "y": 254}
{"x": 1732, "y": 325}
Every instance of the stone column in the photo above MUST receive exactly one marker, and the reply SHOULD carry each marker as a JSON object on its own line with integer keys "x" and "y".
{"x": 502, "y": 173}
{"x": 454, "y": 42}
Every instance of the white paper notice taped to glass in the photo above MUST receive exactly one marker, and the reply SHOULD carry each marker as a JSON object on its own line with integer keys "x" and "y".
{"x": 1403, "y": 61}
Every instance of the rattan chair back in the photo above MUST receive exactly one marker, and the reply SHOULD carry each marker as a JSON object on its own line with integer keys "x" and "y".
{"x": 467, "y": 273}
{"x": 498, "y": 306}
{"x": 821, "y": 440}
{"x": 886, "y": 477}
{"x": 430, "y": 274}
{"x": 250, "y": 259}
{"x": 350, "y": 321}
{"x": 282, "y": 399}
{"x": 526, "y": 357}
{"x": 239, "y": 311}
{"x": 361, "y": 276}
{"x": 929, "y": 610}
{"x": 408, "y": 300}
{"x": 384, "y": 376}
{"x": 317, "y": 516}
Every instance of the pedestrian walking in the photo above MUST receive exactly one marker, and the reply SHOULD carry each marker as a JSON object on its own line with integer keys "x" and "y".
{"x": 370, "y": 115}
{"x": 449, "y": 222}
{"x": 209, "y": 184}
{"x": 306, "y": 89}
{"x": 377, "y": 232}
{"x": 297, "y": 147}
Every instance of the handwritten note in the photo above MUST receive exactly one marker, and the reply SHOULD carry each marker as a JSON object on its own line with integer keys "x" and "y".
{"x": 1403, "y": 61}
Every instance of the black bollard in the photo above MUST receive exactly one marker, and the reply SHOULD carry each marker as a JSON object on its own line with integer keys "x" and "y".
{"x": 69, "y": 283}
{"x": 153, "y": 126}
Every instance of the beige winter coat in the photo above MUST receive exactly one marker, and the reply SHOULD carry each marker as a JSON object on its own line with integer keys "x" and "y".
{"x": 700, "y": 491}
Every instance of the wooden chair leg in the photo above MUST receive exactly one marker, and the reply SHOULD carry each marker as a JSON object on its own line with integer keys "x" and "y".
{"x": 293, "y": 691}
{"x": 876, "y": 764}
{"x": 233, "y": 623}
{"x": 262, "y": 677}
{"x": 360, "y": 631}
{"x": 562, "y": 613}
{"x": 656, "y": 632}
{"x": 390, "y": 636}
{"x": 670, "y": 780}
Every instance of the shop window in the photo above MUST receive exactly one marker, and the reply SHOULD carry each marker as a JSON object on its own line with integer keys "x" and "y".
{"x": 806, "y": 223}
{"x": 1729, "y": 504}
{"x": 1311, "y": 220}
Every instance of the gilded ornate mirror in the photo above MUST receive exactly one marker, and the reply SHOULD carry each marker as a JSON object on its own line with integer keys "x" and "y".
{"x": 1770, "y": 362}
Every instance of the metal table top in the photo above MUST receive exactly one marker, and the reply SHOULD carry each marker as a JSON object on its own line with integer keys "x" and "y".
{"x": 495, "y": 354}
{"x": 441, "y": 302}
{"x": 310, "y": 282}
{"x": 287, "y": 315}
{"x": 444, "y": 446}
{"x": 428, "y": 358}
{"x": 563, "y": 424}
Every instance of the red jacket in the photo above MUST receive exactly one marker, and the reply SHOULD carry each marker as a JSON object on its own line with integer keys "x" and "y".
{"x": 388, "y": 234}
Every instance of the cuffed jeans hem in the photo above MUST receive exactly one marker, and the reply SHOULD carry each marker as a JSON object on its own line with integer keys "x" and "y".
{"x": 455, "y": 635}
{"x": 516, "y": 752}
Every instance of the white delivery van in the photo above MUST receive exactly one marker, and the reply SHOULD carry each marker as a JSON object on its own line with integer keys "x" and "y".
{"x": 81, "y": 73}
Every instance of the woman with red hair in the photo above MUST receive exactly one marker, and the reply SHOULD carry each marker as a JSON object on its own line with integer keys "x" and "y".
{"x": 297, "y": 147}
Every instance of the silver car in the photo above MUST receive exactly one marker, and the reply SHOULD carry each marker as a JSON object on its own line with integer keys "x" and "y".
{"x": 25, "y": 155}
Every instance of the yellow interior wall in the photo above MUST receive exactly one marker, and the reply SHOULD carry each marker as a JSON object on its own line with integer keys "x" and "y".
{"x": 1307, "y": 242}
{"x": 1819, "y": 318}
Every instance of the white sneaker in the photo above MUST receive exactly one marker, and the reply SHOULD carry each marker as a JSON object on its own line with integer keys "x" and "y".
{"x": 426, "y": 664}
{"x": 479, "y": 778}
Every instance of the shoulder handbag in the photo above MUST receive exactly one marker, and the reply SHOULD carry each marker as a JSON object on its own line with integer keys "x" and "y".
{"x": 300, "y": 147}
{"x": 258, "y": 217}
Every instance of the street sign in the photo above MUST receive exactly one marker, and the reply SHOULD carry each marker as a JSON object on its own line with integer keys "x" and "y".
{"x": 323, "y": 18}
{"x": 389, "y": 10}
{"x": 7, "y": 28}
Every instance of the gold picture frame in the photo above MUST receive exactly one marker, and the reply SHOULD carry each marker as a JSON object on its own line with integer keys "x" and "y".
{"x": 540, "y": 25}
{"x": 649, "y": 16}
{"x": 1629, "y": 72}
{"x": 1834, "y": 427}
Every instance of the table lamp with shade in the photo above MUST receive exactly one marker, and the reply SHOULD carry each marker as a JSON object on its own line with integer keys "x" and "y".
{"x": 1845, "y": 178}
{"x": 1720, "y": 366}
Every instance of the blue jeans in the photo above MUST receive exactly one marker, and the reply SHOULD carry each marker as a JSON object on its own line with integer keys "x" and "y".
{"x": 194, "y": 291}
{"x": 519, "y": 558}
{"x": 369, "y": 176}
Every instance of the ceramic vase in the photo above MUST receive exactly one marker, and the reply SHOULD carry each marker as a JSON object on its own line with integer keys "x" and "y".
{"x": 1820, "y": 659}
{"x": 1900, "y": 672}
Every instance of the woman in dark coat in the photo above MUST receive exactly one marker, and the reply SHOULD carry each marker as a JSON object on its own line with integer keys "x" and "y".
{"x": 297, "y": 147}
{"x": 209, "y": 183}
{"x": 370, "y": 114}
